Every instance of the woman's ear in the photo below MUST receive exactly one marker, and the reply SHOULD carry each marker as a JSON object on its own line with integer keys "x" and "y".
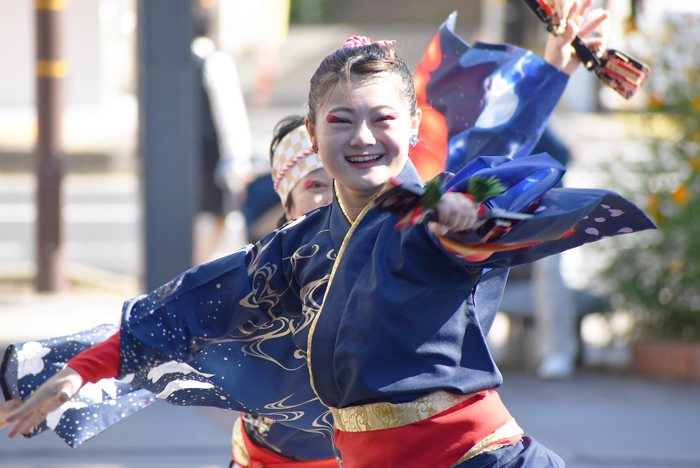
{"x": 288, "y": 206}
{"x": 311, "y": 129}
{"x": 415, "y": 121}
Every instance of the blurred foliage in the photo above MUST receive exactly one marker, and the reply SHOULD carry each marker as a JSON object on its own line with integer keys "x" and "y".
{"x": 656, "y": 275}
{"x": 309, "y": 11}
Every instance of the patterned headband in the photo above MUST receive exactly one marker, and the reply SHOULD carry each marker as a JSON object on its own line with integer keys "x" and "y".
{"x": 293, "y": 160}
{"x": 357, "y": 41}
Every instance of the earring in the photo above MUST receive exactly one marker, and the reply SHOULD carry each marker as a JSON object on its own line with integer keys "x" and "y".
{"x": 414, "y": 140}
{"x": 314, "y": 148}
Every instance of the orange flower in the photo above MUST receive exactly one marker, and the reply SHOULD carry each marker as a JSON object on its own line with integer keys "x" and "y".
{"x": 653, "y": 202}
{"x": 656, "y": 101}
{"x": 695, "y": 137}
{"x": 682, "y": 195}
{"x": 675, "y": 266}
{"x": 694, "y": 162}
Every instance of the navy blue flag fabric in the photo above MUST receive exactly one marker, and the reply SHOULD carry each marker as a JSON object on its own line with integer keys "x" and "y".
{"x": 479, "y": 100}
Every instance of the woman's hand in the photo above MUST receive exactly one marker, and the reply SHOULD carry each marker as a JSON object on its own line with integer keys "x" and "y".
{"x": 48, "y": 397}
{"x": 558, "y": 51}
{"x": 455, "y": 213}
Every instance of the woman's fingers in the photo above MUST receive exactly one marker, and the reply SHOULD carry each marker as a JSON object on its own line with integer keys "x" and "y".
{"x": 26, "y": 423}
{"x": 6, "y": 408}
{"x": 455, "y": 213}
{"x": 598, "y": 22}
{"x": 53, "y": 393}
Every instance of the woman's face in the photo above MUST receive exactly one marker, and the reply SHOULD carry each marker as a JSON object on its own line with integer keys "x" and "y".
{"x": 362, "y": 132}
{"x": 312, "y": 191}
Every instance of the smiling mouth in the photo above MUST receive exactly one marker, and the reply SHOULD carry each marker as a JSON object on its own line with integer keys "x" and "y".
{"x": 363, "y": 158}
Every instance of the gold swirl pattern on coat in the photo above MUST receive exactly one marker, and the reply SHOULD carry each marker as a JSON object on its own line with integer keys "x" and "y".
{"x": 488, "y": 443}
{"x": 378, "y": 416}
{"x": 299, "y": 255}
{"x": 311, "y": 302}
{"x": 262, "y": 291}
{"x": 324, "y": 423}
{"x": 280, "y": 411}
{"x": 256, "y": 338}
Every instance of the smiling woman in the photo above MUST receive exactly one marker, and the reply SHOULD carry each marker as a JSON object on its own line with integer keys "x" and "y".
{"x": 363, "y": 137}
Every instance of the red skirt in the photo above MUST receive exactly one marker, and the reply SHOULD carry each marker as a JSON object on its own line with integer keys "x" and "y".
{"x": 471, "y": 427}
{"x": 261, "y": 457}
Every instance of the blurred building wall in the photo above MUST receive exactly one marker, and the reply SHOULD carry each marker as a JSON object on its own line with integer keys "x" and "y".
{"x": 100, "y": 106}
{"x": 405, "y": 11}
{"x": 98, "y": 45}
{"x": 244, "y": 25}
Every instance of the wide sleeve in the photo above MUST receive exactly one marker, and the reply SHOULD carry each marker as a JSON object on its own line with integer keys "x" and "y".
{"x": 97, "y": 405}
{"x": 208, "y": 303}
{"x": 555, "y": 219}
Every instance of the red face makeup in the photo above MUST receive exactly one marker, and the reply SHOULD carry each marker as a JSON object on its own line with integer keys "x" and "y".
{"x": 330, "y": 118}
{"x": 308, "y": 183}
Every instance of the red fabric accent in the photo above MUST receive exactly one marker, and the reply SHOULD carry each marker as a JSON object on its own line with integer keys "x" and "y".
{"x": 430, "y": 154}
{"x": 437, "y": 442}
{"x": 261, "y": 457}
{"x": 99, "y": 362}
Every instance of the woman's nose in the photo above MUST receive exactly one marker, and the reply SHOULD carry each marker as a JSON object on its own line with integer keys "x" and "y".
{"x": 362, "y": 136}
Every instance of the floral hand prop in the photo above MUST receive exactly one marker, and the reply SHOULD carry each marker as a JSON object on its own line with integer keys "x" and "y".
{"x": 417, "y": 204}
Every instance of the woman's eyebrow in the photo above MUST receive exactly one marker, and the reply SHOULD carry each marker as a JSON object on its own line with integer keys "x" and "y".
{"x": 352, "y": 109}
{"x": 382, "y": 107}
{"x": 341, "y": 109}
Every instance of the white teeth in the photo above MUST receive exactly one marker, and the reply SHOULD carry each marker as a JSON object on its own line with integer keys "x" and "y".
{"x": 360, "y": 159}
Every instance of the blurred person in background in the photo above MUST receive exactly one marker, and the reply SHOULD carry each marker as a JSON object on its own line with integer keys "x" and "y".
{"x": 226, "y": 166}
{"x": 298, "y": 176}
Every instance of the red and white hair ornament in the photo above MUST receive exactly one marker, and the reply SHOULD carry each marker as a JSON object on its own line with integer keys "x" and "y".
{"x": 294, "y": 158}
{"x": 358, "y": 41}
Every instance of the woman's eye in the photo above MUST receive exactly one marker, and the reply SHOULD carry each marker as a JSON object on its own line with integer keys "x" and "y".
{"x": 387, "y": 117}
{"x": 330, "y": 118}
{"x": 312, "y": 184}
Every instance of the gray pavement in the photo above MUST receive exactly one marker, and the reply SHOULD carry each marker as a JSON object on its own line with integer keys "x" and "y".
{"x": 591, "y": 420}
{"x": 595, "y": 419}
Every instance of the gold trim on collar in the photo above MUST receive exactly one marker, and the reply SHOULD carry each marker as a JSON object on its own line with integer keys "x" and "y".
{"x": 340, "y": 202}
{"x": 355, "y": 223}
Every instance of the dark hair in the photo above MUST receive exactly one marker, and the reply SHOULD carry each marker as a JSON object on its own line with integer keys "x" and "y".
{"x": 364, "y": 63}
{"x": 284, "y": 126}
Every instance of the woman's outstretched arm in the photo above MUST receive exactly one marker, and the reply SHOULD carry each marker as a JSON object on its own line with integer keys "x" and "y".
{"x": 49, "y": 396}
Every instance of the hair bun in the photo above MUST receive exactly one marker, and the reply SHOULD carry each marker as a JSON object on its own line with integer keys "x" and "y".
{"x": 358, "y": 41}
